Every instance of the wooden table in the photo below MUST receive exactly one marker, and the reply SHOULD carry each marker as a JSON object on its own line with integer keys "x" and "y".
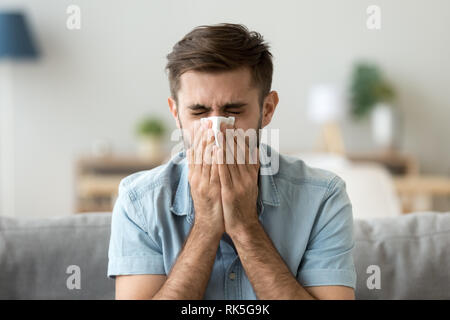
{"x": 97, "y": 179}
{"x": 397, "y": 163}
{"x": 417, "y": 191}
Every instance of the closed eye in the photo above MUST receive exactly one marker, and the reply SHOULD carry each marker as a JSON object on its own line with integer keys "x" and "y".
{"x": 199, "y": 109}
{"x": 200, "y": 113}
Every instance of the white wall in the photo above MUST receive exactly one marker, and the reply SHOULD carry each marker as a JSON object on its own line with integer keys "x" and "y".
{"x": 96, "y": 82}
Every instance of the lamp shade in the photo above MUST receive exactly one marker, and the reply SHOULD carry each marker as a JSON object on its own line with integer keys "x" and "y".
{"x": 15, "y": 37}
{"x": 325, "y": 104}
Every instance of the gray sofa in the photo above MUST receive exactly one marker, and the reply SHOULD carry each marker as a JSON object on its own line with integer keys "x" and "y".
{"x": 412, "y": 253}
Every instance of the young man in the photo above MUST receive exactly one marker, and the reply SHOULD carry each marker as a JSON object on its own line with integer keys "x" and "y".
{"x": 216, "y": 229}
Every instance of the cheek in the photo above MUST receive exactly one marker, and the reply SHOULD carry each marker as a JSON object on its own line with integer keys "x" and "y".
{"x": 189, "y": 132}
{"x": 186, "y": 121}
{"x": 187, "y": 138}
{"x": 247, "y": 122}
{"x": 185, "y": 125}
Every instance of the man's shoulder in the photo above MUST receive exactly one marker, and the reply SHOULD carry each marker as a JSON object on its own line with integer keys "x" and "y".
{"x": 161, "y": 178}
{"x": 295, "y": 171}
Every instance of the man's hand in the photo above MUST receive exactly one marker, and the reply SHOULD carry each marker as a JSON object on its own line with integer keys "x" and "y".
{"x": 239, "y": 182}
{"x": 203, "y": 178}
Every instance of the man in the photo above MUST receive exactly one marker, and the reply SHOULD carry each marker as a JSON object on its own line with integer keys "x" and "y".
{"x": 216, "y": 229}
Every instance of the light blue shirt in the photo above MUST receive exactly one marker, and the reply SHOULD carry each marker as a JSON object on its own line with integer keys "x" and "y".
{"x": 305, "y": 211}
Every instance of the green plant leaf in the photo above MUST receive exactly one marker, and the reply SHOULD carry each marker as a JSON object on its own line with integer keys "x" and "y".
{"x": 367, "y": 89}
{"x": 151, "y": 126}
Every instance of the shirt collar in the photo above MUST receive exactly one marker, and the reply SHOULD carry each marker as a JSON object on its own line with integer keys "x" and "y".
{"x": 268, "y": 193}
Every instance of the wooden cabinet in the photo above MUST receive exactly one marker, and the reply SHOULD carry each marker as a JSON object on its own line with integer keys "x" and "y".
{"x": 97, "y": 180}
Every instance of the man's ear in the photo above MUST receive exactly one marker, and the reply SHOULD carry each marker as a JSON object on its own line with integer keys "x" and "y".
{"x": 269, "y": 106}
{"x": 173, "y": 110}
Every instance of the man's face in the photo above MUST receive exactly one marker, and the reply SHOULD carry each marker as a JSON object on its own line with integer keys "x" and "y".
{"x": 227, "y": 94}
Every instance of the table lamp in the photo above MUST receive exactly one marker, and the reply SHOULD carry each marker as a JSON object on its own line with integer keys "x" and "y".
{"x": 325, "y": 107}
{"x": 15, "y": 44}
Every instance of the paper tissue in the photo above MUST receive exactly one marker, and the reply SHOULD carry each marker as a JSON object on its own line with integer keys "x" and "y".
{"x": 216, "y": 121}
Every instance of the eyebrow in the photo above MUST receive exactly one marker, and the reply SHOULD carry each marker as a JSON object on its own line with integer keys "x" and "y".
{"x": 230, "y": 105}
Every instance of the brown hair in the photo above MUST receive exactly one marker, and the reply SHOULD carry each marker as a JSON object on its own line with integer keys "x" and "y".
{"x": 221, "y": 47}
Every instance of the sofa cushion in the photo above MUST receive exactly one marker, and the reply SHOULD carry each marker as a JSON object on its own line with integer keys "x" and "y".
{"x": 412, "y": 252}
{"x": 35, "y": 255}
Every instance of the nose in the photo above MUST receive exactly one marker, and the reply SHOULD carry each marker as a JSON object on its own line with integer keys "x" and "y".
{"x": 217, "y": 113}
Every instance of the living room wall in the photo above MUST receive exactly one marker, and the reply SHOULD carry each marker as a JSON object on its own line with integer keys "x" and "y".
{"x": 95, "y": 83}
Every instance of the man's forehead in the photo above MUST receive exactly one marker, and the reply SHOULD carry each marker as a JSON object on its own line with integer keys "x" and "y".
{"x": 213, "y": 89}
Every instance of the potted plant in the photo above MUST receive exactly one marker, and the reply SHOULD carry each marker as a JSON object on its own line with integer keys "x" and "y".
{"x": 151, "y": 131}
{"x": 371, "y": 95}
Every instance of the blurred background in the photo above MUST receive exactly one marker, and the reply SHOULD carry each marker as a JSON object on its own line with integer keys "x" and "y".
{"x": 83, "y": 96}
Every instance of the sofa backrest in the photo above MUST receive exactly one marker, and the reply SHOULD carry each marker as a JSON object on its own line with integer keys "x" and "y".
{"x": 406, "y": 257}
{"x": 412, "y": 253}
{"x": 36, "y": 257}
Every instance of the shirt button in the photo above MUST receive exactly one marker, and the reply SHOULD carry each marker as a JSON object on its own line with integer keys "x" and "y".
{"x": 232, "y": 276}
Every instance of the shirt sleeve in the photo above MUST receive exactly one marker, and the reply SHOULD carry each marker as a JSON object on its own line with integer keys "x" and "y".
{"x": 328, "y": 257}
{"x": 131, "y": 249}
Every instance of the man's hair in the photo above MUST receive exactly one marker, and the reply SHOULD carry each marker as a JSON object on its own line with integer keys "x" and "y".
{"x": 221, "y": 47}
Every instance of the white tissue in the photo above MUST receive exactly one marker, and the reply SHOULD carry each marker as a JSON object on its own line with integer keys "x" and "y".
{"x": 216, "y": 121}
